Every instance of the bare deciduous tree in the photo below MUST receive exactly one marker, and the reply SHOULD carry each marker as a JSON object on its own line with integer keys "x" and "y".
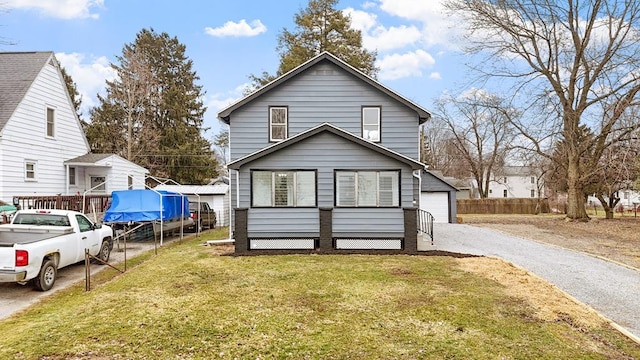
{"x": 575, "y": 60}
{"x": 479, "y": 124}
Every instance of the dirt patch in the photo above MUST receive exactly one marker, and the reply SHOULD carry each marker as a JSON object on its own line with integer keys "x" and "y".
{"x": 616, "y": 239}
{"x": 549, "y": 302}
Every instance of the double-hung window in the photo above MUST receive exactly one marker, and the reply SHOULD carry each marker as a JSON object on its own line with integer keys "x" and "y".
{"x": 30, "y": 168}
{"x": 367, "y": 188}
{"x": 278, "y": 123}
{"x": 283, "y": 188}
{"x": 371, "y": 123}
{"x": 50, "y": 122}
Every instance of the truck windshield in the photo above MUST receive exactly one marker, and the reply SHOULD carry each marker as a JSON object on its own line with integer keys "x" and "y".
{"x": 42, "y": 219}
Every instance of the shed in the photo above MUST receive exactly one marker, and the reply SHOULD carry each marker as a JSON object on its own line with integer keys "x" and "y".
{"x": 438, "y": 197}
{"x": 216, "y": 195}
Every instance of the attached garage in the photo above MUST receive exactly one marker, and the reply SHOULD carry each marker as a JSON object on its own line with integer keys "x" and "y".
{"x": 438, "y": 197}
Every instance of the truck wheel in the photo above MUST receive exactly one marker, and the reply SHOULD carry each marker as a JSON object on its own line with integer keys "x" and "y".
{"x": 47, "y": 276}
{"x": 105, "y": 251}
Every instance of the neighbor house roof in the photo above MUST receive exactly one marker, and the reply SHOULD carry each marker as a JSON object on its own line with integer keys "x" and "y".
{"x": 322, "y": 128}
{"x": 18, "y": 70}
{"x": 92, "y": 159}
{"x": 515, "y": 171}
{"x": 219, "y": 189}
{"x": 225, "y": 114}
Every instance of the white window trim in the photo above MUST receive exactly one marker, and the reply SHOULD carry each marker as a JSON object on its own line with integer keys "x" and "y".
{"x": 356, "y": 188}
{"x": 378, "y": 123}
{"x": 35, "y": 170}
{"x": 295, "y": 189}
{"x": 271, "y": 124}
{"x": 53, "y": 122}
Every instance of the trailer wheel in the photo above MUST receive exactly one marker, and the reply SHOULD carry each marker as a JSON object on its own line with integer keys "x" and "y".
{"x": 105, "y": 251}
{"x": 47, "y": 276}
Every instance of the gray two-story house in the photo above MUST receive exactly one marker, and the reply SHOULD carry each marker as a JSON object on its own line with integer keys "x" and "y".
{"x": 325, "y": 159}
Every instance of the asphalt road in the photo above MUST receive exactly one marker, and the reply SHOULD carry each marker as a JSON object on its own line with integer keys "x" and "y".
{"x": 611, "y": 289}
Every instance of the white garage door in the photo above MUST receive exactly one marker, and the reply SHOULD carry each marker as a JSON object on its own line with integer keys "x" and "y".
{"x": 437, "y": 203}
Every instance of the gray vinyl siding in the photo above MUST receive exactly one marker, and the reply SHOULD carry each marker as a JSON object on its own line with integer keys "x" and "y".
{"x": 324, "y": 93}
{"x": 325, "y": 153}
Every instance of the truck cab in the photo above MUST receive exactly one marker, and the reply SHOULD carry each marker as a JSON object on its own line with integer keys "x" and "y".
{"x": 203, "y": 216}
{"x": 39, "y": 242}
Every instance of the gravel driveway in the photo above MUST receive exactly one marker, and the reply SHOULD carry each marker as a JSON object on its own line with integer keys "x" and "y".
{"x": 611, "y": 289}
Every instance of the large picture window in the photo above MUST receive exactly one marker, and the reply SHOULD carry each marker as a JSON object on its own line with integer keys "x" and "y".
{"x": 283, "y": 188}
{"x": 278, "y": 120}
{"x": 371, "y": 123}
{"x": 367, "y": 188}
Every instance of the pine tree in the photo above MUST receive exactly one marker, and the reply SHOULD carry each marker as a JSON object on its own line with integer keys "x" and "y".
{"x": 320, "y": 27}
{"x": 153, "y": 112}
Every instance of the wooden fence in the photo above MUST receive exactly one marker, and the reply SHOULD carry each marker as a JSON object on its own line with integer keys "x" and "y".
{"x": 503, "y": 206}
{"x": 97, "y": 203}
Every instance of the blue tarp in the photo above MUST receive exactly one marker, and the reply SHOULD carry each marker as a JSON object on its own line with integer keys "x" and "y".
{"x": 145, "y": 205}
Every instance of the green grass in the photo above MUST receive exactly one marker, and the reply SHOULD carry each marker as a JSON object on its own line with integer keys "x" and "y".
{"x": 189, "y": 303}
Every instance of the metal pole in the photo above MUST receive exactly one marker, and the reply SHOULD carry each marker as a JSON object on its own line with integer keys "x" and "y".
{"x": 87, "y": 271}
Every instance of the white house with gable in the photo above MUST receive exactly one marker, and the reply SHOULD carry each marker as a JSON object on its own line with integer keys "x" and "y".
{"x": 43, "y": 148}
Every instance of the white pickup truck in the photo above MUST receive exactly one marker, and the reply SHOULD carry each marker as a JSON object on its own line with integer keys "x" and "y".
{"x": 39, "y": 242}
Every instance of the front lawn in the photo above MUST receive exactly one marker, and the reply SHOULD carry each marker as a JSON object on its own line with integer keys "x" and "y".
{"x": 188, "y": 302}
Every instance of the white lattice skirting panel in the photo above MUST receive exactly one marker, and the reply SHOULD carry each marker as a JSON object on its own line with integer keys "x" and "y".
{"x": 281, "y": 244}
{"x": 369, "y": 244}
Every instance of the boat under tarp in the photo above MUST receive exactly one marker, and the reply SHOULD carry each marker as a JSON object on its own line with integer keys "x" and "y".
{"x": 146, "y": 205}
{"x": 166, "y": 210}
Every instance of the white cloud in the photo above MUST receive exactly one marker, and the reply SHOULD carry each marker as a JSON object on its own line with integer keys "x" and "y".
{"x": 435, "y": 76}
{"x": 437, "y": 27}
{"x": 383, "y": 39}
{"x": 239, "y": 29}
{"x": 361, "y": 20}
{"x": 64, "y": 9}
{"x": 89, "y": 75}
{"x": 396, "y": 66}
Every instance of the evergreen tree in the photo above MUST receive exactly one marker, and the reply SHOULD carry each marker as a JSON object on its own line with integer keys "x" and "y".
{"x": 153, "y": 112}
{"x": 72, "y": 88}
{"x": 320, "y": 27}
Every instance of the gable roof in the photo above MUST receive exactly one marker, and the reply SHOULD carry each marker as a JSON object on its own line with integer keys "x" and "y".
{"x": 225, "y": 114}
{"x": 439, "y": 183}
{"x": 91, "y": 159}
{"x": 325, "y": 127}
{"x": 18, "y": 70}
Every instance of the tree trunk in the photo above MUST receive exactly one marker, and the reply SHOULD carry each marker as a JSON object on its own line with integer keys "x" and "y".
{"x": 575, "y": 195}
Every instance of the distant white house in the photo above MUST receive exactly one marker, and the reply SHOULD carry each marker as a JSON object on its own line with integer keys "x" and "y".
{"x": 515, "y": 182}
{"x": 629, "y": 199}
{"x": 43, "y": 148}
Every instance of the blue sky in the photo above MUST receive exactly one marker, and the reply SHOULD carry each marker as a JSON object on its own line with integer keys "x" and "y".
{"x": 229, "y": 40}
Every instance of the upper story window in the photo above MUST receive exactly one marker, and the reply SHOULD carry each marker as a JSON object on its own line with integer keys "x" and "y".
{"x": 504, "y": 193}
{"x": 371, "y": 123}
{"x": 30, "y": 167}
{"x": 50, "y": 122}
{"x": 533, "y": 179}
{"x": 367, "y": 188}
{"x": 129, "y": 182}
{"x": 278, "y": 123}
{"x": 283, "y": 188}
